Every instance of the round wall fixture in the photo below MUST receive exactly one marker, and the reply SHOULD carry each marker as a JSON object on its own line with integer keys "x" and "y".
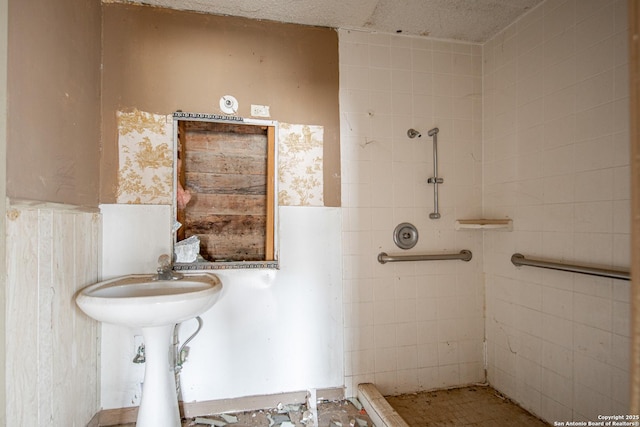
{"x": 405, "y": 236}
{"x": 228, "y": 104}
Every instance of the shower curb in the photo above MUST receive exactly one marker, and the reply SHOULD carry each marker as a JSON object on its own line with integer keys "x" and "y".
{"x": 377, "y": 407}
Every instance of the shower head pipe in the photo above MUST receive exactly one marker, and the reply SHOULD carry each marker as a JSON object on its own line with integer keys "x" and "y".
{"x": 412, "y": 133}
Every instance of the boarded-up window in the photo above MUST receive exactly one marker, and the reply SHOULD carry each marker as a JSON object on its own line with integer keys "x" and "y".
{"x": 227, "y": 168}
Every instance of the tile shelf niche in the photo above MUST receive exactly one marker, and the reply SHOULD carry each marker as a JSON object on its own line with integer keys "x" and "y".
{"x": 484, "y": 224}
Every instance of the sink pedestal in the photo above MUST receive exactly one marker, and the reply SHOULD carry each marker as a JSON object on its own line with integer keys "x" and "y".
{"x": 159, "y": 403}
{"x": 155, "y": 306}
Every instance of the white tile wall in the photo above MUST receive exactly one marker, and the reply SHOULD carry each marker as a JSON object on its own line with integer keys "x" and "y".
{"x": 556, "y": 161}
{"x": 52, "y": 350}
{"x": 410, "y": 326}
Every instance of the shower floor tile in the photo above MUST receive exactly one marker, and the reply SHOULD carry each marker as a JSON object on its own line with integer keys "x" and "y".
{"x": 460, "y": 407}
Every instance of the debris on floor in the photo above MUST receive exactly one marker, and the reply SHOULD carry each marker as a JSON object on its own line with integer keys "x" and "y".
{"x": 209, "y": 422}
{"x": 278, "y": 419}
{"x": 229, "y": 418}
{"x": 346, "y": 413}
{"x": 355, "y": 402}
{"x": 342, "y": 414}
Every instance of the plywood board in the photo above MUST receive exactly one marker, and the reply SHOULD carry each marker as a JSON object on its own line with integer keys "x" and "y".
{"x": 225, "y": 170}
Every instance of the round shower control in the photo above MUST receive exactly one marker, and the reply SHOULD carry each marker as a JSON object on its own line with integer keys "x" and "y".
{"x": 405, "y": 236}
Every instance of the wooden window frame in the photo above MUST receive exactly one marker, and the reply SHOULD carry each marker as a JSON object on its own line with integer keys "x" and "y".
{"x": 271, "y": 260}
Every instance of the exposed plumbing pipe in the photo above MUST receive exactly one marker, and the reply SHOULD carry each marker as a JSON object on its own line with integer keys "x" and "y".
{"x": 181, "y": 353}
{"x": 412, "y": 133}
{"x": 140, "y": 357}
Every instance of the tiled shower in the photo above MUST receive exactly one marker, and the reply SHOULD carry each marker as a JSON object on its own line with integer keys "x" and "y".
{"x": 399, "y": 333}
{"x": 534, "y": 126}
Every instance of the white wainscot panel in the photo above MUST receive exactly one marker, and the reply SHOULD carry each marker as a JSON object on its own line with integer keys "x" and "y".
{"x": 271, "y": 331}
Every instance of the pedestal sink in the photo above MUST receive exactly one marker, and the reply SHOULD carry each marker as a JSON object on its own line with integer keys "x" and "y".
{"x": 155, "y": 306}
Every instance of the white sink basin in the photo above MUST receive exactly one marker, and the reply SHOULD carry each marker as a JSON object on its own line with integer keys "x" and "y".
{"x": 139, "y": 301}
{"x": 156, "y": 306}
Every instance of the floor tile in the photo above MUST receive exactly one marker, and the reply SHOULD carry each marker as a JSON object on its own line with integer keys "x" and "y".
{"x": 462, "y": 407}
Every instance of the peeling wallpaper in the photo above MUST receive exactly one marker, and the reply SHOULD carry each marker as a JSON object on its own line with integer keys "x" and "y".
{"x": 161, "y": 61}
{"x": 300, "y": 165}
{"x": 145, "y": 174}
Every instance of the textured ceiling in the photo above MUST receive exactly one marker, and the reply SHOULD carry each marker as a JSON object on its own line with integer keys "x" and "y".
{"x": 467, "y": 20}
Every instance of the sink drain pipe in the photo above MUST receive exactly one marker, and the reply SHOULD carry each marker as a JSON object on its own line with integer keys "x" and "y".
{"x": 181, "y": 353}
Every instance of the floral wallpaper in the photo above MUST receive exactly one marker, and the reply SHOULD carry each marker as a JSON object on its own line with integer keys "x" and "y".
{"x": 145, "y": 175}
{"x": 300, "y": 149}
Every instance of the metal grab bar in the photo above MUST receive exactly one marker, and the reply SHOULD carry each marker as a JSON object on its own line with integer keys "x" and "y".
{"x": 519, "y": 260}
{"x": 464, "y": 255}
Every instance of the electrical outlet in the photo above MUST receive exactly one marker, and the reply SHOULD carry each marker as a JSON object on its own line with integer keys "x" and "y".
{"x": 260, "y": 111}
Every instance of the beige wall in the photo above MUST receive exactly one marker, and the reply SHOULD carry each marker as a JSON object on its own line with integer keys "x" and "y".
{"x": 52, "y": 154}
{"x": 4, "y": 9}
{"x": 160, "y": 61}
{"x": 54, "y": 101}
